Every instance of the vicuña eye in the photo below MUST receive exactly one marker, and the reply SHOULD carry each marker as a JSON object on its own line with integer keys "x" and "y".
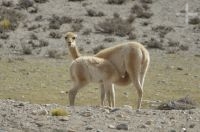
{"x": 73, "y": 38}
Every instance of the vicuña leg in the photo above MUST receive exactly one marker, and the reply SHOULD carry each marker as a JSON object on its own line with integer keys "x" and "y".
{"x": 107, "y": 92}
{"x": 133, "y": 66}
{"x": 103, "y": 94}
{"x": 73, "y": 92}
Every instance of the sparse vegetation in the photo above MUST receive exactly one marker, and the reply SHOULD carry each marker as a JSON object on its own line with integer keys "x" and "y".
{"x": 9, "y": 19}
{"x": 184, "y": 47}
{"x": 154, "y": 43}
{"x": 162, "y": 30}
{"x": 59, "y": 112}
{"x": 55, "y": 21}
{"x": 41, "y": 1}
{"x": 25, "y": 3}
{"x": 173, "y": 43}
{"x": 87, "y": 31}
{"x": 132, "y": 36}
{"x": 109, "y": 39}
{"x": 5, "y": 24}
{"x": 7, "y": 3}
{"x": 93, "y": 13}
{"x": 54, "y": 53}
{"x": 141, "y": 11}
{"x": 55, "y": 35}
{"x": 26, "y": 49}
{"x": 75, "y": 0}
{"x": 116, "y": 25}
{"x": 4, "y": 36}
{"x": 194, "y": 21}
{"x": 76, "y": 27}
{"x": 118, "y": 2}
{"x": 147, "y": 1}
{"x": 98, "y": 48}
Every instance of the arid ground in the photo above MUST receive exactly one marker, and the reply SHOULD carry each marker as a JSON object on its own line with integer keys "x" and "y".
{"x": 34, "y": 63}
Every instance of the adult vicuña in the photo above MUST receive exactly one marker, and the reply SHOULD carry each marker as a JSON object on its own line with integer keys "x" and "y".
{"x": 131, "y": 60}
{"x": 85, "y": 69}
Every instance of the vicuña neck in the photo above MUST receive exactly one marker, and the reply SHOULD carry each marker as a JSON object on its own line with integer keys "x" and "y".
{"x": 74, "y": 52}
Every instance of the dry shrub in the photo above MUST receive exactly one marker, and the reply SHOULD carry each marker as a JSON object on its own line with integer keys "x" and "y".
{"x": 55, "y": 35}
{"x": 26, "y": 49}
{"x": 25, "y": 3}
{"x": 87, "y": 31}
{"x": 55, "y": 21}
{"x": 93, "y": 13}
{"x": 53, "y": 53}
{"x": 109, "y": 40}
{"x": 7, "y": 3}
{"x": 98, "y": 48}
{"x": 77, "y": 25}
{"x": 141, "y": 11}
{"x": 75, "y": 0}
{"x": 10, "y": 18}
{"x": 4, "y": 36}
{"x": 41, "y": 1}
{"x": 162, "y": 30}
{"x": 118, "y": 2}
{"x": 132, "y": 36}
{"x": 173, "y": 43}
{"x": 116, "y": 25}
{"x": 184, "y": 47}
{"x": 146, "y": 1}
{"x": 194, "y": 21}
{"x": 154, "y": 43}
{"x": 184, "y": 103}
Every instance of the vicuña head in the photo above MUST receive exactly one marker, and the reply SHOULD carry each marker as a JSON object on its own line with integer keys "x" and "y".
{"x": 70, "y": 39}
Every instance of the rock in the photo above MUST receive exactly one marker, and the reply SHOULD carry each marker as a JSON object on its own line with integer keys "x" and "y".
{"x": 114, "y": 110}
{"x": 86, "y": 114}
{"x": 128, "y": 107}
{"x": 122, "y": 126}
{"x": 179, "y": 68}
{"x": 172, "y": 130}
{"x": 39, "y": 124}
{"x": 42, "y": 112}
{"x": 71, "y": 130}
{"x": 99, "y": 130}
{"x": 62, "y": 92}
{"x": 32, "y": 10}
{"x": 192, "y": 125}
{"x": 63, "y": 118}
{"x": 89, "y": 128}
{"x": 183, "y": 130}
{"x": 142, "y": 126}
{"x": 112, "y": 126}
{"x": 148, "y": 123}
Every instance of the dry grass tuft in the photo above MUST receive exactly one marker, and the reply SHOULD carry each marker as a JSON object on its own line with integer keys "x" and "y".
{"x": 59, "y": 112}
{"x": 9, "y": 19}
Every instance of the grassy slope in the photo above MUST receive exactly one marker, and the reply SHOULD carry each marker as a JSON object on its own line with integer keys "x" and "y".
{"x": 42, "y": 80}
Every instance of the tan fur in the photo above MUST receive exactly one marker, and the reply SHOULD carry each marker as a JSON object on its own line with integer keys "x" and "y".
{"x": 85, "y": 69}
{"x": 131, "y": 60}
